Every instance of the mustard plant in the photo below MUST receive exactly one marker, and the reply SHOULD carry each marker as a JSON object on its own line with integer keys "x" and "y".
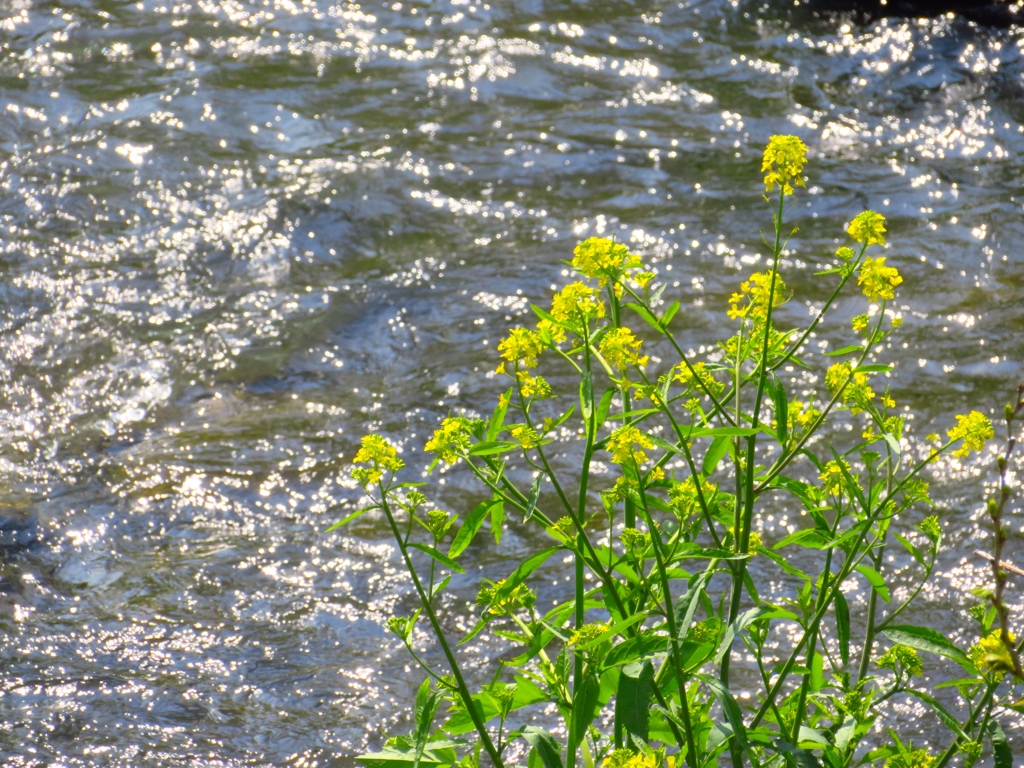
{"x": 639, "y": 668}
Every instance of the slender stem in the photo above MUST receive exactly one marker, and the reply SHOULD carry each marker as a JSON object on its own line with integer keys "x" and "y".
{"x": 460, "y": 683}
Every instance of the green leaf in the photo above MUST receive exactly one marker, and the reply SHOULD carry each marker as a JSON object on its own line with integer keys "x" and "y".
{"x": 729, "y": 707}
{"x": 349, "y": 518}
{"x": 438, "y": 556}
{"x": 492, "y": 447}
{"x": 742, "y": 622}
{"x": 914, "y": 551}
{"x": 545, "y": 746}
{"x": 845, "y": 351}
{"x": 778, "y": 393}
{"x": 727, "y": 432}
{"x": 1001, "y": 752}
{"x": 872, "y": 368}
{"x": 633, "y": 699}
{"x": 669, "y": 313}
{"x": 876, "y": 580}
{"x": 943, "y": 714}
{"x": 498, "y": 417}
{"x": 469, "y": 529}
{"x": 587, "y": 397}
{"x": 843, "y": 626}
{"x": 497, "y": 521}
{"x": 439, "y": 586}
{"x": 930, "y": 641}
{"x": 646, "y": 315}
{"x": 424, "y": 711}
{"x": 603, "y": 406}
{"x": 531, "y": 504}
{"x": 686, "y": 605}
{"x": 584, "y": 708}
{"x": 519, "y": 575}
{"x": 715, "y": 453}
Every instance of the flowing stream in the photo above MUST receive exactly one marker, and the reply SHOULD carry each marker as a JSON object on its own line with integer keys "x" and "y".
{"x": 235, "y": 236}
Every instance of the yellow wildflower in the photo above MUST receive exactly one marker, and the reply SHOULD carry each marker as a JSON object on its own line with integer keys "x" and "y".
{"x": 628, "y": 758}
{"x": 833, "y": 478}
{"x": 620, "y": 347}
{"x": 877, "y": 281}
{"x": 911, "y": 758}
{"x": 975, "y": 429}
{"x": 451, "y": 440}
{"x": 521, "y": 346}
{"x": 901, "y": 658}
{"x": 845, "y": 253}
{"x": 381, "y": 455}
{"x": 684, "y": 498}
{"x": 991, "y": 655}
{"x": 547, "y": 328}
{"x": 857, "y": 391}
{"x": 696, "y": 374}
{"x": 860, "y": 323}
{"x": 783, "y": 162}
{"x": 587, "y": 634}
{"x": 868, "y": 228}
{"x": 756, "y": 292}
{"x": 525, "y": 436}
{"x": 601, "y": 258}
{"x": 576, "y": 303}
{"x": 533, "y": 386}
{"x": 627, "y": 445}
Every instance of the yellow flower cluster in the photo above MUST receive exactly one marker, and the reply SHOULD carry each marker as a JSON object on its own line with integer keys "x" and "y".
{"x": 868, "y": 228}
{"x": 991, "y": 655}
{"x": 857, "y": 391}
{"x": 975, "y": 429}
{"x": 587, "y": 633}
{"x": 519, "y": 597}
{"x": 756, "y": 293}
{"x": 911, "y": 758}
{"x": 627, "y": 445}
{"x": 684, "y": 498}
{"x": 601, "y": 258}
{"x": 783, "y": 163}
{"x": 901, "y": 657}
{"x": 576, "y": 303}
{"x": 628, "y": 758}
{"x": 451, "y": 440}
{"x": 526, "y": 437}
{"x": 877, "y": 280}
{"x": 833, "y": 478}
{"x": 620, "y": 348}
{"x": 534, "y": 386}
{"x": 694, "y": 375}
{"x": 380, "y": 455}
{"x": 521, "y": 346}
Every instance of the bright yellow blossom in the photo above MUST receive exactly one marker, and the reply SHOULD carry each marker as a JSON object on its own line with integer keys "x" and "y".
{"x": 627, "y": 758}
{"x": 877, "y": 280}
{"x": 627, "y": 445}
{"x": 857, "y": 392}
{"x": 525, "y": 436}
{"x": 533, "y": 386}
{"x": 833, "y": 479}
{"x": 521, "y": 346}
{"x": 696, "y": 377}
{"x": 860, "y": 323}
{"x": 451, "y": 440}
{"x": 576, "y": 303}
{"x": 975, "y": 429}
{"x": 380, "y": 455}
{"x": 783, "y": 162}
{"x": 868, "y": 228}
{"x": 620, "y": 348}
{"x": 756, "y": 292}
{"x": 601, "y": 258}
{"x": 991, "y": 655}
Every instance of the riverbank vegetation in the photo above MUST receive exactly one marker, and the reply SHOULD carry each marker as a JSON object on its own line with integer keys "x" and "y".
{"x": 689, "y": 638}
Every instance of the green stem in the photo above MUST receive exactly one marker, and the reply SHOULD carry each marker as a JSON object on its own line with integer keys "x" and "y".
{"x": 460, "y": 683}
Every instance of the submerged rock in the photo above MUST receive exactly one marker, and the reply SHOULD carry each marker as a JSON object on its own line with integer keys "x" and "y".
{"x": 993, "y": 13}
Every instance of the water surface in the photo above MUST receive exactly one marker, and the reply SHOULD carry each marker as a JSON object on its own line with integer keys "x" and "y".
{"x": 236, "y": 236}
